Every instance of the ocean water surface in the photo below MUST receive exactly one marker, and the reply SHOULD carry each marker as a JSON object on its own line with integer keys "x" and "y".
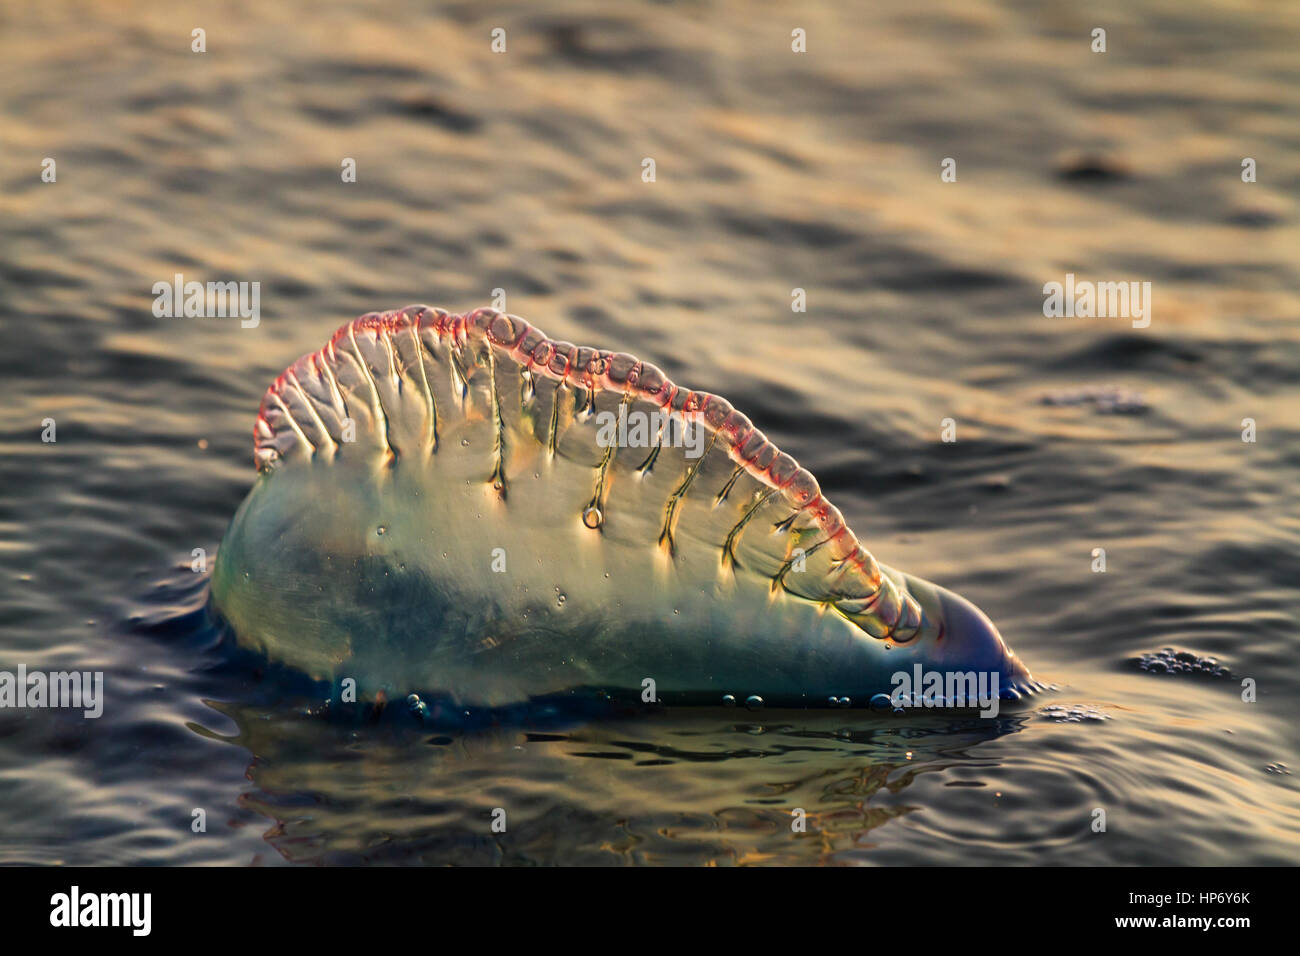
{"x": 521, "y": 171}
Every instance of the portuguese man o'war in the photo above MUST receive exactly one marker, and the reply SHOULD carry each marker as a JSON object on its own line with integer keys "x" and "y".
{"x": 439, "y": 507}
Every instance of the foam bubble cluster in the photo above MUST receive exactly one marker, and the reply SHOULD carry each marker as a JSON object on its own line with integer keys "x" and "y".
{"x": 1169, "y": 660}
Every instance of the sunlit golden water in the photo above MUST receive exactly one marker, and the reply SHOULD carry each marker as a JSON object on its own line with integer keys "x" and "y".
{"x": 521, "y": 171}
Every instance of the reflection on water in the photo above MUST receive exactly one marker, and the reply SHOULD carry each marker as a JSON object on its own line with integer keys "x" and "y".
{"x": 775, "y": 171}
{"x": 684, "y": 788}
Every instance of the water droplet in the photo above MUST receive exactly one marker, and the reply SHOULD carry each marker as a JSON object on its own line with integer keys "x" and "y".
{"x": 753, "y": 702}
{"x": 561, "y": 599}
{"x": 465, "y": 442}
{"x": 592, "y": 517}
{"x": 382, "y": 529}
{"x": 728, "y": 700}
{"x": 880, "y": 702}
{"x": 606, "y": 574}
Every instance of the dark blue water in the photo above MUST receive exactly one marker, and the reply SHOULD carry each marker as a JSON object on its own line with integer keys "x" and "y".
{"x": 521, "y": 171}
